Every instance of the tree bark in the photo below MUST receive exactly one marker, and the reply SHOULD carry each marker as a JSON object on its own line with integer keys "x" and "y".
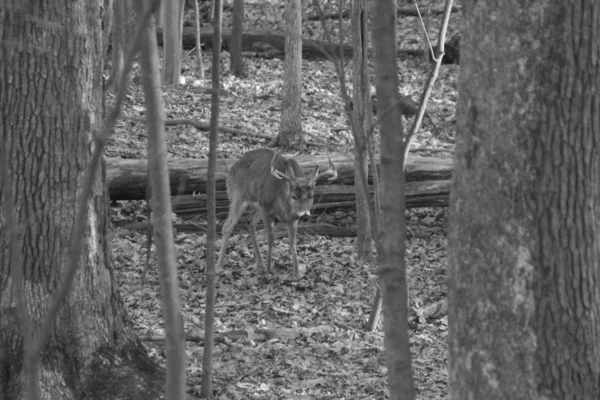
{"x": 161, "y": 212}
{"x": 48, "y": 117}
{"x": 173, "y": 30}
{"x": 211, "y": 234}
{"x": 118, "y": 39}
{"x": 199, "y": 63}
{"x": 392, "y": 269}
{"x": 237, "y": 62}
{"x": 524, "y": 240}
{"x": 363, "y": 117}
{"x": 290, "y": 132}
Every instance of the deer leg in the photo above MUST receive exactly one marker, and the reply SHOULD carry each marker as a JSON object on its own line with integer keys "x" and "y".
{"x": 236, "y": 209}
{"x": 292, "y": 228}
{"x": 268, "y": 221}
{"x": 252, "y": 229}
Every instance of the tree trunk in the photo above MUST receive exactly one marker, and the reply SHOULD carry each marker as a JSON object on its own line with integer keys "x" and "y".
{"x": 237, "y": 62}
{"x": 118, "y": 39}
{"x": 172, "y": 31}
{"x": 524, "y": 240}
{"x": 392, "y": 269}
{"x": 363, "y": 115}
{"x": 290, "y": 133}
{"x": 211, "y": 233}
{"x": 47, "y": 122}
{"x": 107, "y": 20}
{"x": 198, "y": 19}
{"x": 161, "y": 211}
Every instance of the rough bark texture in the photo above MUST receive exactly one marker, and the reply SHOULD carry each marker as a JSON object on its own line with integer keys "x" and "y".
{"x": 363, "y": 115}
{"x": 567, "y": 290}
{"x": 48, "y": 115}
{"x": 524, "y": 293}
{"x": 392, "y": 269}
{"x": 290, "y": 132}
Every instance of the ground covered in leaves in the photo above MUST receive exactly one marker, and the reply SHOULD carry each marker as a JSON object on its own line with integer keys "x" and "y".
{"x": 279, "y": 338}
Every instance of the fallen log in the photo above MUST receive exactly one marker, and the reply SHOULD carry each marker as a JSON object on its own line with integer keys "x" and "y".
{"x": 406, "y": 12}
{"x": 428, "y": 183}
{"x": 258, "y": 334}
{"x": 127, "y": 178}
{"x": 271, "y": 44}
{"x": 430, "y": 193}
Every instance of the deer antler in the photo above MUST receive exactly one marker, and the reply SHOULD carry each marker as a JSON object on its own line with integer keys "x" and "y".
{"x": 275, "y": 172}
{"x": 331, "y": 172}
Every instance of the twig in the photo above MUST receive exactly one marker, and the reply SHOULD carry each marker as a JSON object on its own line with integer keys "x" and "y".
{"x": 430, "y": 82}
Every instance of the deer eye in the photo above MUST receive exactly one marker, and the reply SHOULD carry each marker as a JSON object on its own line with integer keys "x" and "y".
{"x": 294, "y": 196}
{"x": 310, "y": 196}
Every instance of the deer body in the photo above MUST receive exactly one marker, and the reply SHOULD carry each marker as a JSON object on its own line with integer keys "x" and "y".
{"x": 274, "y": 186}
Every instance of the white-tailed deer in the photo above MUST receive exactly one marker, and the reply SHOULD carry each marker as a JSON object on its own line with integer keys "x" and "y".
{"x": 274, "y": 186}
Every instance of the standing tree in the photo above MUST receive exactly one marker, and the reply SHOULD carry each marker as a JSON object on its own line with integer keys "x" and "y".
{"x": 362, "y": 116}
{"x": 290, "y": 132}
{"x": 198, "y": 18}
{"x": 211, "y": 236}
{"x": 172, "y": 31}
{"x": 524, "y": 240}
{"x": 107, "y": 19}
{"x": 121, "y": 34}
{"x": 237, "y": 62}
{"x": 48, "y": 122}
{"x": 161, "y": 210}
{"x": 392, "y": 269}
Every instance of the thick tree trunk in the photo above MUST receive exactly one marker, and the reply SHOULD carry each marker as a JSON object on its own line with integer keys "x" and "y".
{"x": 524, "y": 240}
{"x": 290, "y": 132}
{"x": 48, "y": 117}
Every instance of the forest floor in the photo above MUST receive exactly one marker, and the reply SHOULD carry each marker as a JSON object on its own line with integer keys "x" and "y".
{"x": 280, "y": 338}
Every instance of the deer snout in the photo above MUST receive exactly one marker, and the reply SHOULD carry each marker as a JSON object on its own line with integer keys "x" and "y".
{"x": 303, "y": 214}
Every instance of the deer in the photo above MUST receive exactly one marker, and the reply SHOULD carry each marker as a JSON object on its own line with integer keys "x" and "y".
{"x": 274, "y": 187}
